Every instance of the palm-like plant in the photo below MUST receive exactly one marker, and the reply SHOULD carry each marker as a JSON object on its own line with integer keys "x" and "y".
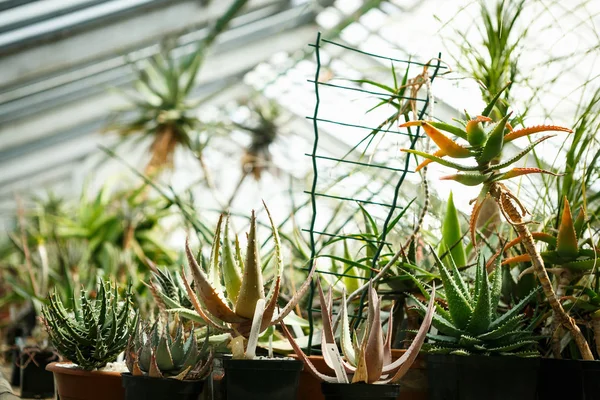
{"x": 485, "y": 141}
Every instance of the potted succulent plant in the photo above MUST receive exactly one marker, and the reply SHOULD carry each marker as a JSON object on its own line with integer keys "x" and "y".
{"x": 476, "y": 344}
{"x": 90, "y": 336}
{"x": 369, "y": 363}
{"x": 164, "y": 364}
{"x": 240, "y": 307}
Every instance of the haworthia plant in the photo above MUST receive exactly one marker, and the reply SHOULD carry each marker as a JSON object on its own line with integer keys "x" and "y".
{"x": 96, "y": 330}
{"x": 369, "y": 361}
{"x": 157, "y": 353}
{"x": 228, "y": 293}
{"x": 470, "y": 322}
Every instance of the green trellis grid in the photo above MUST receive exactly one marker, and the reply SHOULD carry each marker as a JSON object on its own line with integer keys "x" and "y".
{"x": 314, "y": 157}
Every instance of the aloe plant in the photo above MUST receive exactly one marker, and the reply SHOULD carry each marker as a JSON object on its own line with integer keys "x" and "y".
{"x": 369, "y": 361}
{"x": 168, "y": 289}
{"x": 158, "y": 353}
{"x": 470, "y": 323}
{"x": 232, "y": 294}
{"x": 568, "y": 256}
{"x": 567, "y": 250}
{"x": 95, "y": 331}
{"x": 485, "y": 141}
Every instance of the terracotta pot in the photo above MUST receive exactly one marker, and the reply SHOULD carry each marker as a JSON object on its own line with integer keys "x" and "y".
{"x": 76, "y": 384}
{"x": 413, "y": 385}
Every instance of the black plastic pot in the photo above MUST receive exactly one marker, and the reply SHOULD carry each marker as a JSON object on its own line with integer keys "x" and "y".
{"x": 15, "y": 376}
{"x": 359, "y": 391}
{"x": 553, "y": 371}
{"x": 261, "y": 379}
{"x": 146, "y": 388}
{"x": 481, "y": 377}
{"x": 36, "y": 382}
{"x": 591, "y": 379}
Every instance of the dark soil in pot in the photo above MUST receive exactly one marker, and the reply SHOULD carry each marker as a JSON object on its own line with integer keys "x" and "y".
{"x": 552, "y": 371}
{"x": 36, "y": 382}
{"x": 359, "y": 391}
{"x": 146, "y": 388}
{"x": 481, "y": 377}
{"x": 261, "y": 379}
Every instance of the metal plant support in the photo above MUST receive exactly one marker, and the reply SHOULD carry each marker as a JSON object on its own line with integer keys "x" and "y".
{"x": 401, "y": 173}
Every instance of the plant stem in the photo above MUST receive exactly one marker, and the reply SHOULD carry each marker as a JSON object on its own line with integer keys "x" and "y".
{"x": 506, "y": 202}
{"x": 596, "y": 329}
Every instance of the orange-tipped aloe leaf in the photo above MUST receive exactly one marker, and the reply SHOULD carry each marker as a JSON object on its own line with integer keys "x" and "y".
{"x": 455, "y": 130}
{"x": 437, "y": 153}
{"x": 154, "y": 371}
{"x": 402, "y": 364}
{"x": 534, "y": 129}
{"x": 411, "y": 123}
{"x": 466, "y": 179}
{"x": 374, "y": 349}
{"x": 252, "y": 288}
{"x": 522, "y": 171}
{"x": 196, "y": 304}
{"x": 231, "y": 271}
{"x": 447, "y": 145}
{"x": 517, "y": 259}
{"x": 520, "y": 155}
{"x": 307, "y": 363}
{"x": 214, "y": 304}
{"x": 442, "y": 161}
{"x": 566, "y": 243}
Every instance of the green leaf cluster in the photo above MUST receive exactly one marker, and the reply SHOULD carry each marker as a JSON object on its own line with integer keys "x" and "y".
{"x": 96, "y": 330}
{"x": 156, "y": 352}
{"x": 470, "y": 322}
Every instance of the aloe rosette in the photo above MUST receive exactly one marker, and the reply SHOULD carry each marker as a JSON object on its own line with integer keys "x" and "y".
{"x": 369, "y": 361}
{"x": 228, "y": 293}
{"x": 470, "y": 322}
{"x": 483, "y": 141}
{"x": 96, "y": 330}
{"x": 156, "y": 353}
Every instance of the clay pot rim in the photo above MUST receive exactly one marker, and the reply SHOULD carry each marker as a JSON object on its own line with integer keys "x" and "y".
{"x": 57, "y": 368}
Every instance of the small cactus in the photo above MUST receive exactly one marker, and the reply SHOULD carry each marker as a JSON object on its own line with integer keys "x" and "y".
{"x": 96, "y": 330}
{"x": 155, "y": 352}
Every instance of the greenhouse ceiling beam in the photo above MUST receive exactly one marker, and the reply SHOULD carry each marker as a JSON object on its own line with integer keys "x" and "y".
{"x": 22, "y": 62}
{"x": 73, "y": 85}
{"x": 55, "y": 130}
